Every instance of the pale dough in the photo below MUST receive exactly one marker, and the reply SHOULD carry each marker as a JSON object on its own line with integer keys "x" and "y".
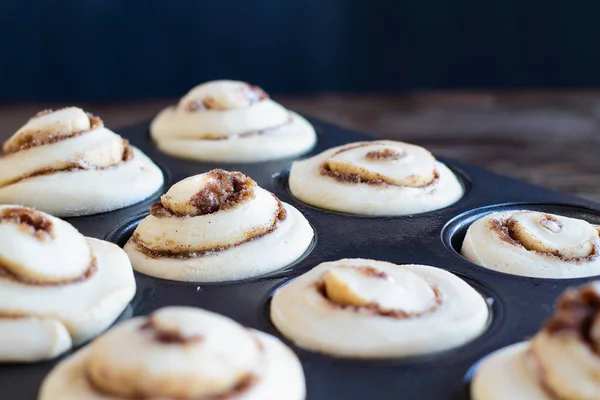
{"x": 242, "y": 241}
{"x": 237, "y": 130}
{"x": 302, "y": 314}
{"x": 309, "y": 185}
{"x": 43, "y": 321}
{"x": 223, "y": 354}
{"x": 73, "y": 166}
{"x": 489, "y": 248}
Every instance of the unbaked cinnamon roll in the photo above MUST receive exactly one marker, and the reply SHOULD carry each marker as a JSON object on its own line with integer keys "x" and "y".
{"x": 535, "y": 244}
{"x": 230, "y": 121}
{"x": 374, "y": 309}
{"x": 57, "y": 287}
{"x": 218, "y": 226}
{"x": 382, "y": 177}
{"x": 561, "y": 362}
{"x": 179, "y": 353}
{"x": 66, "y": 163}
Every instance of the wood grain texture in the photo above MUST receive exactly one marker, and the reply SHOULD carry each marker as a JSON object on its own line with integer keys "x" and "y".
{"x": 547, "y": 138}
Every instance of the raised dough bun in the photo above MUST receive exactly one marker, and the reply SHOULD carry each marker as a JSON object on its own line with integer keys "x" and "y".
{"x": 382, "y": 177}
{"x": 231, "y": 121}
{"x": 374, "y": 309}
{"x": 535, "y": 244}
{"x": 218, "y": 226}
{"x": 66, "y": 163}
{"x": 58, "y": 288}
{"x": 560, "y": 362}
{"x": 179, "y": 353}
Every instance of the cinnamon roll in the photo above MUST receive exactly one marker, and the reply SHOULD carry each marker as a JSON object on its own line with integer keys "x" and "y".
{"x": 534, "y": 244}
{"x": 382, "y": 177}
{"x": 374, "y": 309}
{"x": 218, "y": 226}
{"x": 230, "y": 121}
{"x": 57, "y": 287}
{"x": 66, "y": 163}
{"x": 179, "y": 353}
{"x": 561, "y": 362}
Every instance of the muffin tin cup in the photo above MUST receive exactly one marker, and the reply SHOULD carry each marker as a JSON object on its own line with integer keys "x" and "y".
{"x": 518, "y": 305}
{"x": 496, "y": 314}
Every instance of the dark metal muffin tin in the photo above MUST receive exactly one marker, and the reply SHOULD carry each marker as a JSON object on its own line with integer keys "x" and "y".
{"x": 518, "y": 305}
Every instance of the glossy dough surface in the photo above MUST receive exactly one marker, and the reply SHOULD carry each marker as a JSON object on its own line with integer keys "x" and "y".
{"x": 375, "y": 178}
{"x": 230, "y": 121}
{"x": 67, "y": 163}
{"x": 373, "y": 309}
{"x": 183, "y": 353}
{"x": 534, "y": 244}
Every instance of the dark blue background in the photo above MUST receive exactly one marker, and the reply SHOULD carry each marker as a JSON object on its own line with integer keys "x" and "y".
{"x": 119, "y": 49}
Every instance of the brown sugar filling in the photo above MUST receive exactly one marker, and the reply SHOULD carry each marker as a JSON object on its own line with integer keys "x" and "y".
{"x": 72, "y": 166}
{"x": 505, "y": 228}
{"x": 30, "y": 221}
{"x": 371, "y": 272}
{"x": 352, "y": 147}
{"x": 6, "y": 273}
{"x": 184, "y": 252}
{"x": 224, "y": 191}
{"x": 352, "y": 178}
{"x": 375, "y": 308}
{"x": 15, "y": 315}
{"x": 168, "y": 337}
{"x": 577, "y": 312}
{"x": 29, "y": 139}
{"x": 253, "y": 94}
{"x": 551, "y": 223}
{"x": 265, "y": 131}
{"x": 386, "y": 154}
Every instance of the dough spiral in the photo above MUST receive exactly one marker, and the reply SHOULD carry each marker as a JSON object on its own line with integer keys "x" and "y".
{"x": 535, "y": 244}
{"x": 374, "y": 309}
{"x": 231, "y": 121}
{"x": 179, "y": 353}
{"x": 381, "y": 177}
{"x": 58, "y": 288}
{"x": 218, "y": 226}
{"x": 66, "y": 163}
{"x": 561, "y": 362}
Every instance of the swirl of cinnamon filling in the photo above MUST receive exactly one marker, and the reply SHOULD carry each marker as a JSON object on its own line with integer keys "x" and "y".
{"x": 230, "y": 121}
{"x": 179, "y": 353}
{"x": 536, "y": 244}
{"x": 562, "y": 362}
{"x": 218, "y": 226}
{"x": 67, "y": 163}
{"x": 373, "y": 309}
{"x": 57, "y": 287}
{"x": 382, "y": 177}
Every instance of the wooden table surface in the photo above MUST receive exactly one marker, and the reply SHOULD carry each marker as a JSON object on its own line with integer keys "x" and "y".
{"x": 548, "y": 138}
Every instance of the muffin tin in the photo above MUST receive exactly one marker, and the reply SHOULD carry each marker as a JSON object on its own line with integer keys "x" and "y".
{"x": 518, "y": 305}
